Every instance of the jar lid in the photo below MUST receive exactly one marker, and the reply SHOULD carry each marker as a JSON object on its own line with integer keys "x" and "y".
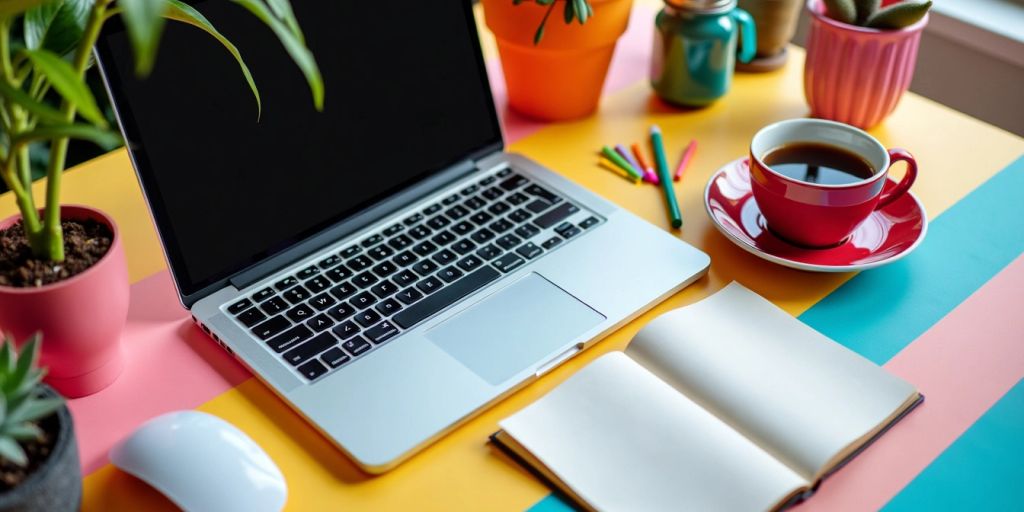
{"x": 704, "y": 6}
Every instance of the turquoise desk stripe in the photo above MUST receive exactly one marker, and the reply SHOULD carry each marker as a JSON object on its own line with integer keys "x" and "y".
{"x": 980, "y": 471}
{"x": 880, "y": 311}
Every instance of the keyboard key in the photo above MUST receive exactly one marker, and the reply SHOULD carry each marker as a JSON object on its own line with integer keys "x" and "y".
{"x": 538, "y": 205}
{"x": 424, "y": 248}
{"x": 508, "y": 242}
{"x": 474, "y": 203}
{"x": 509, "y": 262}
{"x": 527, "y": 230}
{"x": 449, "y": 274}
{"x": 589, "y": 222}
{"x": 450, "y": 200}
{"x": 309, "y": 272}
{"x": 310, "y": 349}
{"x": 385, "y": 269}
{"x": 405, "y": 258}
{"x": 413, "y": 219}
{"x": 405, "y": 278}
{"x": 438, "y": 222}
{"x": 420, "y": 232}
{"x": 367, "y": 317}
{"x": 381, "y": 332}
{"x": 543, "y": 193}
{"x": 322, "y": 301}
{"x": 239, "y": 306}
{"x": 409, "y": 295}
{"x": 393, "y": 229}
{"x": 318, "y": 284}
{"x": 444, "y": 298}
{"x": 359, "y": 262}
{"x": 341, "y": 311}
{"x": 570, "y": 232}
{"x": 519, "y": 216}
{"x": 300, "y": 313}
{"x": 388, "y": 307}
{"x": 457, "y": 212}
{"x": 443, "y": 238}
{"x": 363, "y": 300}
{"x": 469, "y": 190}
{"x": 373, "y": 240}
{"x": 312, "y": 369}
{"x": 514, "y": 182}
{"x": 356, "y": 346}
{"x": 251, "y": 317}
{"x": 499, "y": 208}
{"x": 296, "y": 295}
{"x": 429, "y": 285}
{"x": 483, "y": 235}
{"x": 551, "y": 242}
{"x": 329, "y": 261}
{"x": 335, "y": 357}
{"x": 400, "y": 242}
{"x": 290, "y": 338}
{"x": 493, "y": 193}
{"x": 481, "y": 218}
{"x": 501, "y": 225}
{"x": 286, "y": 283}
{"x": 470, "y": 263}
{"x": 364, "y": 280}
{"x": 463, "y": 247}
{"x": 319, "y": 322}
{"x": 555, "y": 216}
{"x": 444, "y": 257}
{"x": 489, "y": 252}
{"x": 562, "y": 227}
{"x": 344, "y": 291}
{"x": 517, "y": 199}
{"x": 463, "y": 228}
{"x": 346, "y": 330}
{"x": 529, "y": 250}
{"x": 339, "y": 274}
{"x": 425, "y": 267}
{"x": 348, "y": 252}
{"x": 504, "y": 172}
{"x": 381, "y": 252}
{"x": 263, "y": 294}
{"x": 274, "y": 306}
{"x": 432, "y": 209}
{"x": 384, "y": 288}
{"x": 487, "y": 181}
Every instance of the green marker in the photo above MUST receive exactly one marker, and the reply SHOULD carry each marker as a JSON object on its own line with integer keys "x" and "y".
{"x": 621, "y": 162}
{"x": 665, "y": 177}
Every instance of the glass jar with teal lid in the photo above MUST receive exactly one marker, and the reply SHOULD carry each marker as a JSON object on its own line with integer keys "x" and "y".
{"x": 695, "y": 49}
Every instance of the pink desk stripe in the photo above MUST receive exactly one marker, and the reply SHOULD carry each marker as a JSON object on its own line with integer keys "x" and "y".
{"x": 963, "y": 365}
{"x": 170, "y": 365}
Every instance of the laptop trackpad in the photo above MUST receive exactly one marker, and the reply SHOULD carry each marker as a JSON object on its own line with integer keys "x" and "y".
{"x": 515, "y": 328}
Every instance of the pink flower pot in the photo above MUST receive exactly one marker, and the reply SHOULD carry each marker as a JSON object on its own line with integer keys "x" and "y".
{"x": 81, "y": 318}
{"x": 857, "y": 75}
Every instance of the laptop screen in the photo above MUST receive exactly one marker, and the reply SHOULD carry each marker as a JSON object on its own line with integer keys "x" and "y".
{"x": 406, "y": 95}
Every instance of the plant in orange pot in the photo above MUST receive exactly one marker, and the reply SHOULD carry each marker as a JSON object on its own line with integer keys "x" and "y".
{"x": 555, "y": 69}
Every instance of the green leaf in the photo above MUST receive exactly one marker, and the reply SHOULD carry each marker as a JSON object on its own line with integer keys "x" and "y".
{"x": 12, "y": 452}
{"x": 23, "y": 99}
{"x": 57, "y": 25}
{"x": 283, "y": 10}
{"x": 26, "y": 361}
{"x": 6, "y": 358}
{"x": 296, "y": 49}
{"x": 3, "y": 409}
{"x": 32, "y": 410}
{"x": 568, "y": 12}
{"x": 10, "y": 8}
{"x": 68, "y": 83}
{"x": 143, "y": 19}
{"x": 179, "y": 11}
{"x": 23, "y": 431}
{"x": 93, "y": 134}
{"x": 899, "y": 15}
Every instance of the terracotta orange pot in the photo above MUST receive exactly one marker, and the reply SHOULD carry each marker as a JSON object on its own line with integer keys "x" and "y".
{"x": 560, "y": 78}
{"x": 81, "y": 318}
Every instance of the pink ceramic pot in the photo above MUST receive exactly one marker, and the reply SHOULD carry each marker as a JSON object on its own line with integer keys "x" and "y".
{"x": 81, "y": 318}
{"x": 857, "y": 75}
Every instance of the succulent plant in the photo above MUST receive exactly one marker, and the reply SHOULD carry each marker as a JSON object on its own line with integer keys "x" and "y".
{"x": 21, "y": 405}
{"x": 869, "y": 13}
{"x": 579, "y": 10}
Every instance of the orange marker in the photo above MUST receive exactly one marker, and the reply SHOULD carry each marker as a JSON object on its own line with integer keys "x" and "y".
{"x": 684, "y": 160}
{"x": 649, "y": 175}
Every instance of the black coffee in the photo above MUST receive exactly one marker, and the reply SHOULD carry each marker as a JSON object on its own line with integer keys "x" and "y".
{"x": 818, "y": 163}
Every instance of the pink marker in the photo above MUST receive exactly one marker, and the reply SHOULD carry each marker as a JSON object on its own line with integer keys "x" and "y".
{"x": 684, "y": 160}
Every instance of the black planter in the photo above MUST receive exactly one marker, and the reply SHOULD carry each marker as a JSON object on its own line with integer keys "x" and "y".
{"x": 57, "y": 485}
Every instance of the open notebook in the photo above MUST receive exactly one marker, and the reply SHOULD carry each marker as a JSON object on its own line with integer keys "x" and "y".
{"x": 727, "y": 404}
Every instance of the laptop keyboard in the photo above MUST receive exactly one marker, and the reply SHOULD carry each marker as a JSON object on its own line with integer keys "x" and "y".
{"x": 322, "y": 316}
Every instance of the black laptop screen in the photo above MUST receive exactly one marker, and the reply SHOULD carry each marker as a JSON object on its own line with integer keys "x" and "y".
{"x": 406, "y": 96}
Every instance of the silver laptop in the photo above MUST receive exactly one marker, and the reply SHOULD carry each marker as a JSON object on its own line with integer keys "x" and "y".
{"x": 383, "y": 266}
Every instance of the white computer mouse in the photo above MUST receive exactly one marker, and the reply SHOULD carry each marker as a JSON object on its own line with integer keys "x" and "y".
{"x": 202, "y": 463}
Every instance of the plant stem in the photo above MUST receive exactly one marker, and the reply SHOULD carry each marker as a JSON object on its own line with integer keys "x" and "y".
{"x": 16, "y": 171}
{"x": 53, "y": 239}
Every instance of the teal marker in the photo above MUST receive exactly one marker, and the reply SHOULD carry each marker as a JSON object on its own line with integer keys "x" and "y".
{"x": 665, "y": 177}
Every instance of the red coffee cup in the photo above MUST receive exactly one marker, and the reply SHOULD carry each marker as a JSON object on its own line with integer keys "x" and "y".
{"x": 822, "y": 215}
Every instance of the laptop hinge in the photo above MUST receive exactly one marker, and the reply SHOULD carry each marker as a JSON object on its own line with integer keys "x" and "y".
{"x": 368, "y": 216}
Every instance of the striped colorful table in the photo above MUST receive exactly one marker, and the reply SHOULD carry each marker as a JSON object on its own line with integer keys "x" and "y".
{"x": 947, "y": 318}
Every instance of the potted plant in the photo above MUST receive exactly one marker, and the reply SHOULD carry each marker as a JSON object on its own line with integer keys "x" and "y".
{"x": 39, "y": 468}
{"x": 860, "y": 57}
{"x": 62, "y": 268}
{"x": 555, "y": 71}
{"x": 775, "y": 21}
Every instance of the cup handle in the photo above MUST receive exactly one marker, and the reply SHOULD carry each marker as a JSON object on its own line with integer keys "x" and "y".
{"x": 896, "y": 155}
{"x": 748, "y": 35}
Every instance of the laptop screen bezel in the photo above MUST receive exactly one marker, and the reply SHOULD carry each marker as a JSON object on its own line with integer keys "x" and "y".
{"x": 189, "y": 291}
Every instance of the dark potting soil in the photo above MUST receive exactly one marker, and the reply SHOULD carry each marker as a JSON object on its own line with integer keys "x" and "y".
{"x": 38, "y": 451}
{"x": 85, "y": 242}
